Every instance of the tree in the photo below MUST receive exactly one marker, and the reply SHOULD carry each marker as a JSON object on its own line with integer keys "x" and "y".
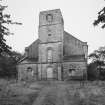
{"x": 98, "y": 55}
{"x": 5, "y": 19}
{"x": 16, "y": 56}
{"x": 101, "y": 18}
{"x": 92, "y": 71}
{"x": 97, "y": 61}
{"x": 8, "y": 64}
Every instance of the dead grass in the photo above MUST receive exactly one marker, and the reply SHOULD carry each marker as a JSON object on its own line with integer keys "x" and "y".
{"x": 12, "y": 93}
{"x": 91, "y": 93}
{"x": 88, "y": 93}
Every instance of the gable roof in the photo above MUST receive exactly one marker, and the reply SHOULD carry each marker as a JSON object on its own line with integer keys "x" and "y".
{"x": 72, "y": 45}
{"x": 69, "y": 35}
{"x": 33, "y": 49}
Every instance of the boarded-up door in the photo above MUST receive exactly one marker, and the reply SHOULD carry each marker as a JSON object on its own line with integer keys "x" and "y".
{"x": 49, "y": 73}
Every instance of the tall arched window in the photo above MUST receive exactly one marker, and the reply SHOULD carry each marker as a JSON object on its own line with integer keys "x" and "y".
{"x": 49, "y": 55}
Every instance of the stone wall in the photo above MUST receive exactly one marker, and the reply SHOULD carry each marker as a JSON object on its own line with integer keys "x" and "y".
{"x": 25, "y": 74}
{"x": 39, "y": 71}
{"x": 74, "y": 70}
{"x": 51, "y": 33}
{"x": 42, "y": 68}
{"x": 56, "y": 52}
{"x": 57, "y": 17}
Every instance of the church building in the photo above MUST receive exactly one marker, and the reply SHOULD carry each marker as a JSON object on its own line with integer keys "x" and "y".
{"x": 56, "y": 54}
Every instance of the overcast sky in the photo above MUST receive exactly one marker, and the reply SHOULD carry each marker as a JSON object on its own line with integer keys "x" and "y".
{"x": 78, "y": 17}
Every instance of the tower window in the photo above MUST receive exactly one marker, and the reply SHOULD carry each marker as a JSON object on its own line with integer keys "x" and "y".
{"x": 49, "y": 17}
{"x": 49, "y": 34}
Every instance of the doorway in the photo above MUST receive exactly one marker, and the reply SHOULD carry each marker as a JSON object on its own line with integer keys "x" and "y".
{"x": 49, "y": 73}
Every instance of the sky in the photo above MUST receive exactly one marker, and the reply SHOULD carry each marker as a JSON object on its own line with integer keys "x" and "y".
{"x": 78, "y": 17}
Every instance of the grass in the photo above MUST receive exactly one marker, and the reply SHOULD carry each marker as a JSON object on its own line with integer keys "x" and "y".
{"x": 12, "y": 93}
{"x": 88, "y": 93}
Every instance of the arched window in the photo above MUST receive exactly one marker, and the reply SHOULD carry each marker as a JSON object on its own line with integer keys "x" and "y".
{"x": 30, "y": 71}
{"x": 49, "y": 55}
{"x": 49, "y": 17}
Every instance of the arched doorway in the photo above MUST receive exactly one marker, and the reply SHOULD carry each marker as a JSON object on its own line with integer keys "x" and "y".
{"x": 49, "y": 73}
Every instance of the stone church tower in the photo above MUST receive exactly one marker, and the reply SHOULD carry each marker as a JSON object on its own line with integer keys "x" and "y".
{"x": 51, "y": 44}
{"x": 56, "y": 54}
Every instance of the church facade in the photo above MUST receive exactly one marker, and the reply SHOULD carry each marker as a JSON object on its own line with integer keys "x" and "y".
{"x": 56, "y": 54}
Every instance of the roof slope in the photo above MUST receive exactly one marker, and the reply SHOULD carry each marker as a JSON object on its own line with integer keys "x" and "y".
{"x": 33, "y": 49}
{"x": 72, "y": 45}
